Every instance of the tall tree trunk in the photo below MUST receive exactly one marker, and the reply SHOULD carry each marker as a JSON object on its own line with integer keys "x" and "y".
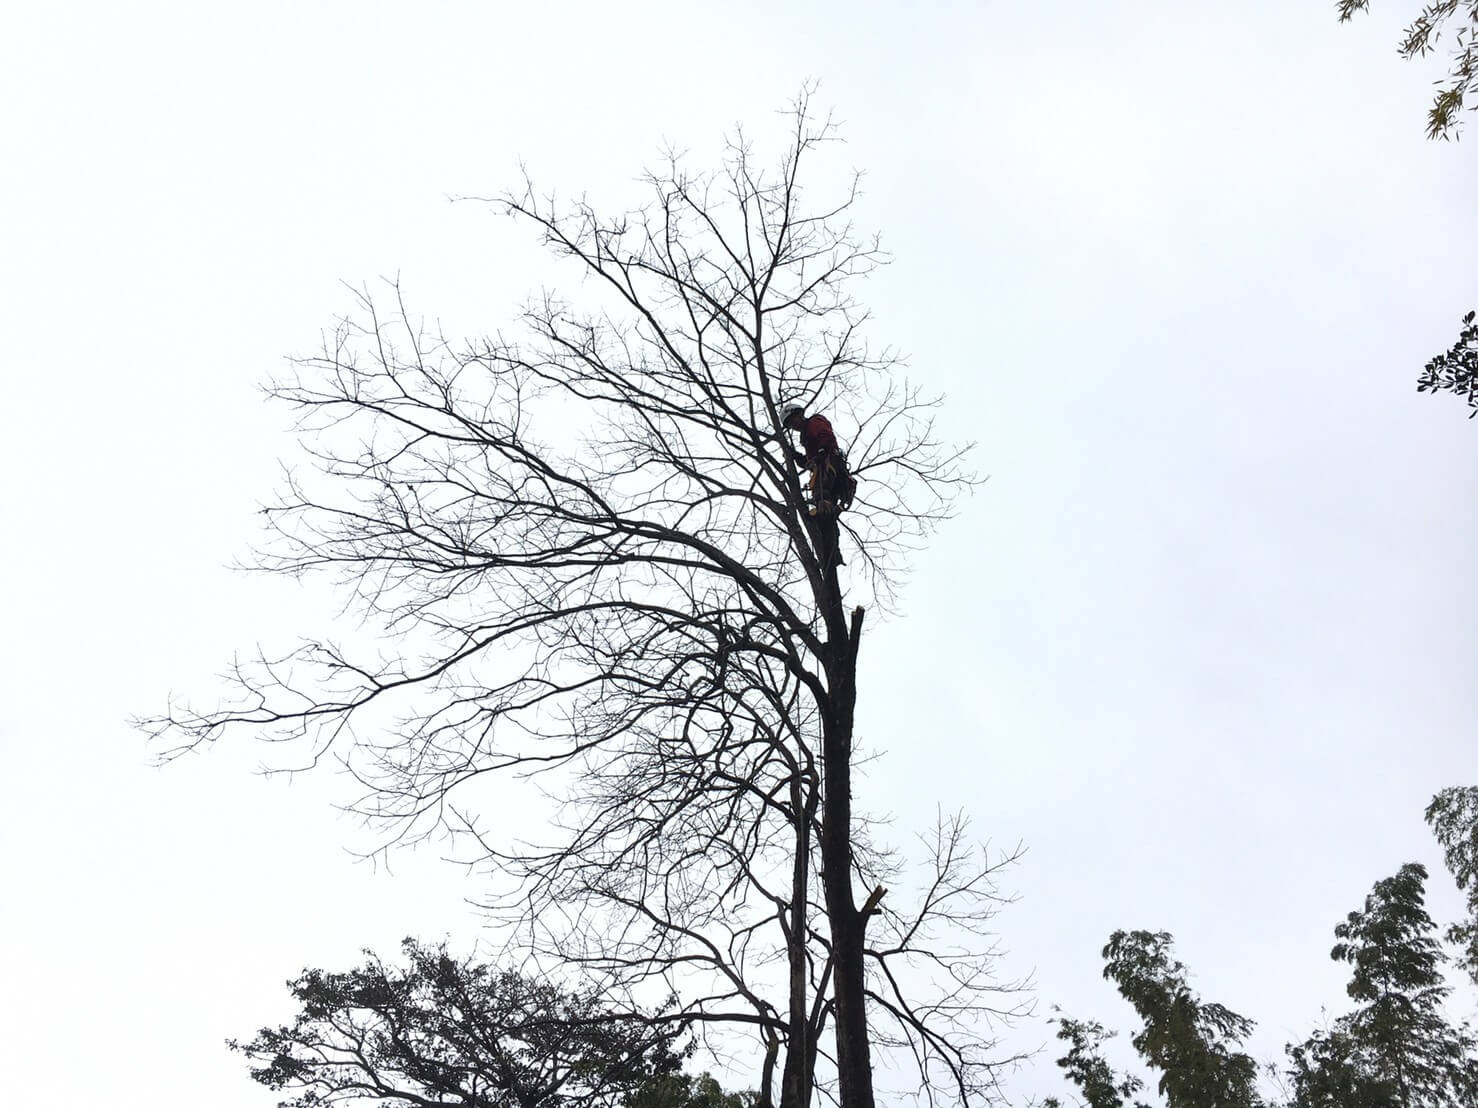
{"x": 848, "y": 925}
{"x": 798, "y": 1078}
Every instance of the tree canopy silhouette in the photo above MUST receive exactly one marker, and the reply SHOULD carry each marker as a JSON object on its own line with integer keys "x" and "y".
{"x": 441, "y": 1030}
{"x": 1396, "y": 1049}
{"x": 1456, "y": 370}
{"x": 588, "y": 559}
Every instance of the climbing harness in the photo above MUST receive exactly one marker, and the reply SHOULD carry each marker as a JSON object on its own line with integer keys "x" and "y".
{"x": 832, "y": 485}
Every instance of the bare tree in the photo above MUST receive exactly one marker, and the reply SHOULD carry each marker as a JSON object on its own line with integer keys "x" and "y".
{"x": 641, "y": 608}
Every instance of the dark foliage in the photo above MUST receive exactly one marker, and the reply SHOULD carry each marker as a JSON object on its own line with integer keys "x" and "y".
{"x": 1086, "y": 1068}
{"x": 1189, "y": 1041}
{"x": 443, "y": 1031}
{"x": 1397, "y": 1049}
{"x": 682, "y": 1090}
{"x": 1453, "y": 818}
{"x": 1456, "y": 371}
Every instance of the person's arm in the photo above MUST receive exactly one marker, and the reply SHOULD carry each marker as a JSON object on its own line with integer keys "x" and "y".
{"x": 796, "y": 456}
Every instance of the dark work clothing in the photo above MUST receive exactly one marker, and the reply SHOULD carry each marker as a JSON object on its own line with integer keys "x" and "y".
{"x": 830, "y": 485}
{"x": 826, "y": 477}
{"x": 817, "y": 438}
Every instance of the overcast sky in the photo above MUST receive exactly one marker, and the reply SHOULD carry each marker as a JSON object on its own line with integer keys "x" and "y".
{"x": 1205, "y": 642}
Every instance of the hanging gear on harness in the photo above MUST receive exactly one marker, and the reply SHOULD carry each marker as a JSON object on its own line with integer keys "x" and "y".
{"x": 831, "y": 486}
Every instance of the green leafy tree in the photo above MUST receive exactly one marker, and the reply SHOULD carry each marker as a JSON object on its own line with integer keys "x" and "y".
{"x": 1397, "y": 1050}
{"x": 1420, "y": 39}
{"x": 1086, "y": 1067}
{"x": 1192, "y": 1043}
{"x": 1324, "y": 1072}
{"x": 1455, "y": 371}
{"x": 451, "y": 1032}
{"x": 1453, "y": 818}
{"x": 683, "y": 1090}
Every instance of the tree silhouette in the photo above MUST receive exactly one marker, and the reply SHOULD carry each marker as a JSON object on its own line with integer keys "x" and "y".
{"x": 446, "y": 1031}
{"x": 1397, "y": 1048}
{"x": 590, "y": 560}
{"x": 1085, "y": 1066}
{"x": 1189, "y": 1041}
{"x": 1453, "y": 818}
{"x": 1456, "y": 370}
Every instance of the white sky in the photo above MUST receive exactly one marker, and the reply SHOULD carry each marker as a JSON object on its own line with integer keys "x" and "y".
{"x": 1205, "y": 641}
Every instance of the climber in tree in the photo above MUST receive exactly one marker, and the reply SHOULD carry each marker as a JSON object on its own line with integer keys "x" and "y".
{"x": 831, "y": 485}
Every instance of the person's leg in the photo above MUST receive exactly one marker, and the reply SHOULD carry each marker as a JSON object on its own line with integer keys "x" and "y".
{"x": 826, "y": 484}
{"x": 833, "y": 529}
